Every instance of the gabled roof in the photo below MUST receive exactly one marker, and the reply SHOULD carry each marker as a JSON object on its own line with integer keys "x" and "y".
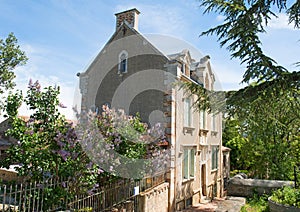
{"x": 130, "y": 31}
{"x": 183, "y": 56}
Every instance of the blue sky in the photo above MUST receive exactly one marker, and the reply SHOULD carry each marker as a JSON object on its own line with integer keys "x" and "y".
{"x": 62, "y": 37}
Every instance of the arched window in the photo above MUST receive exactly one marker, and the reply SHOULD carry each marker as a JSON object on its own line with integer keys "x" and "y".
{"x": 123, "y": 59}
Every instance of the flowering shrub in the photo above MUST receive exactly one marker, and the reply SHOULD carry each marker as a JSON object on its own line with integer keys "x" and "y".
{"x": 47, "y": 145}
{"x": 50, "y": 147}
{"x": 122, "y": 145}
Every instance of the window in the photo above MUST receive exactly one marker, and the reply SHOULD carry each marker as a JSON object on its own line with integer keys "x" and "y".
{"x": 123, "y": 59}
{"x": 214, "y": 157}
{"x": 188, "y": 163}
{"x": 202, "y": 119}
{"x": 187, "y": 112}
{"x": 183, "y": 68}
{"x": 213, "y": 123}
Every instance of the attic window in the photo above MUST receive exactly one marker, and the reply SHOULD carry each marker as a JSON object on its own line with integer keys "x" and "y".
{"x": 183, "y": 68}
{"x": 124, "y": 30}
{"x": 123, "y": 59}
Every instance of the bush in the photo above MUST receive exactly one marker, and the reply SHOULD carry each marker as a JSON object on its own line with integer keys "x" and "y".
{"x": 236, "y": 171}
{"x": 256, "y": 204}
{"x": 287, "y": 196}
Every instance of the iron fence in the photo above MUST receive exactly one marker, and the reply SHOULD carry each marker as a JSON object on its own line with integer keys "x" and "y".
{"x": 33, "y": 197}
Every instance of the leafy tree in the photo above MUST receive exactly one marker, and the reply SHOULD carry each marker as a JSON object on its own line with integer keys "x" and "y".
{"x": 244, "y": 20}
{"x": 49, "y": 147}
{"x": 10, "y": 57}
{"x": 266, "y": 109}
{"x": 239, "y": 33}
{"x": 47, "y": 144}
{"x": 269, "y": 142}
{"x": 233, "y": 138}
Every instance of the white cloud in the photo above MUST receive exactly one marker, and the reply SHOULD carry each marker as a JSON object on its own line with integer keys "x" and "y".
{"x": 170, "y": 45}
{"x": 36, "y": 69}
{"x": 228, "y": 77}
{"x": 220, "y": 18}
{"x": 67, "y": 89}
{"x": 281, "y": 22}
{"x": 159, "y": 19}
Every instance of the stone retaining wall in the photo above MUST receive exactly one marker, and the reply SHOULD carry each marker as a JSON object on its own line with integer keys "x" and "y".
{"x": 155, "y": 199}
{"x": 246, "y": 187}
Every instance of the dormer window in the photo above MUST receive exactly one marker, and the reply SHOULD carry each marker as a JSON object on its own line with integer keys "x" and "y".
{"x": 123, "y": 60}
{"x": 183, "y": 68}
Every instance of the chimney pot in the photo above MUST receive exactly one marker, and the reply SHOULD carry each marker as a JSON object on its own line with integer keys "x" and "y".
{"x": 130, "y": 16}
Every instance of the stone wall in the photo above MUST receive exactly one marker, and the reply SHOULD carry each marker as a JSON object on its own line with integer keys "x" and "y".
{"x": 7, "y": 175}
{"x": 246, "y": 187}
{"x": 155, "y": 199}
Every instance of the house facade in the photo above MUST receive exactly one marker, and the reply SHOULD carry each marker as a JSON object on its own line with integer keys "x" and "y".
{"x": 132, "y": 74}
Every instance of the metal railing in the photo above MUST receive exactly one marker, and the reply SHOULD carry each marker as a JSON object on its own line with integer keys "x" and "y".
{"x": 33, "y": 196}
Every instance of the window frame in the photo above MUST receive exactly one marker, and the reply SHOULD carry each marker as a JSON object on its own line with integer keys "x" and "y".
{"x": 123, "y": 62}
{"x": 188, "y": 163}
{"x": 215, "y": 157}
{"x": 214, "y": 123}
{"x": 203, "y": 119}
{"x": 187, "y": 112}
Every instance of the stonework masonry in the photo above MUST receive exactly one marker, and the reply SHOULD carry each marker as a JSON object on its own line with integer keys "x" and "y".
{"x": 247, "y": 187}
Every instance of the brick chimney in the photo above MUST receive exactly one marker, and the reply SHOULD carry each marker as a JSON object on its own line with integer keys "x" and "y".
{"x": 130, "y": 16}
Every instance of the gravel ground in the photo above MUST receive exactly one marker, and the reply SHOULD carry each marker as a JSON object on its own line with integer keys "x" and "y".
{"x": 229, "y": 204}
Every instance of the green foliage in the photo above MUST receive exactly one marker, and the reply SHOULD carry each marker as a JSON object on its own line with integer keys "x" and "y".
{"x": 256, "y": 204}
{"x": 10, "y": 57}
{"x": 84, "y": 210}
{"x": 265, "y": 137}
{"x": 237, "y": 171}
{"x": 122, "y": 145}
{"x": 47, "y": 147}
{"x": 124, "y": 134}
{"x": 233, "y": 138}
{"x": 287, "y": 196}
{"x": 244, "y": 20}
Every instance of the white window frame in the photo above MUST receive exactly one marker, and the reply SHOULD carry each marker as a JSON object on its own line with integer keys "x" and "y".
{"x": 215, "y": 157}
{"x": 188, "y": 163}
{"x": 203, "y": 119}
{"x": 214, "y": 123}
{"x": 123, "y": 61}
{"x": 187, "y": 113}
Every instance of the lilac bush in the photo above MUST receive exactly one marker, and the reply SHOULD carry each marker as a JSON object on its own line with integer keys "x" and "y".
{"x": 122, "y": 145}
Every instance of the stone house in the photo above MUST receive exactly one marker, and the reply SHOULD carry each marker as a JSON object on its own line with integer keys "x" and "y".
{"x": 5, "y": 141}
{"x": 132, "y": 74}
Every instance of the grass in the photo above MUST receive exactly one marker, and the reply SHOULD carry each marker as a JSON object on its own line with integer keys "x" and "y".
{"x": 256, "y": 204}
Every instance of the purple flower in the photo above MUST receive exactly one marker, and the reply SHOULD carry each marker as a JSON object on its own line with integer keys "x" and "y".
{"x": 62, "y": 105}
{"x": 90, "y": 192}
{"x": 37, "y": 85}
{"x": 40, "y": 186}
{"x": 64, "y": 154}
{"x": 61, "y": 144}
{"x": 30, "y": 132}
{"x": 75, "y": 155}
{"x": 89, "y": 165}
{"x": 30, "y": 83}
{"x": 64, "y": 184}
